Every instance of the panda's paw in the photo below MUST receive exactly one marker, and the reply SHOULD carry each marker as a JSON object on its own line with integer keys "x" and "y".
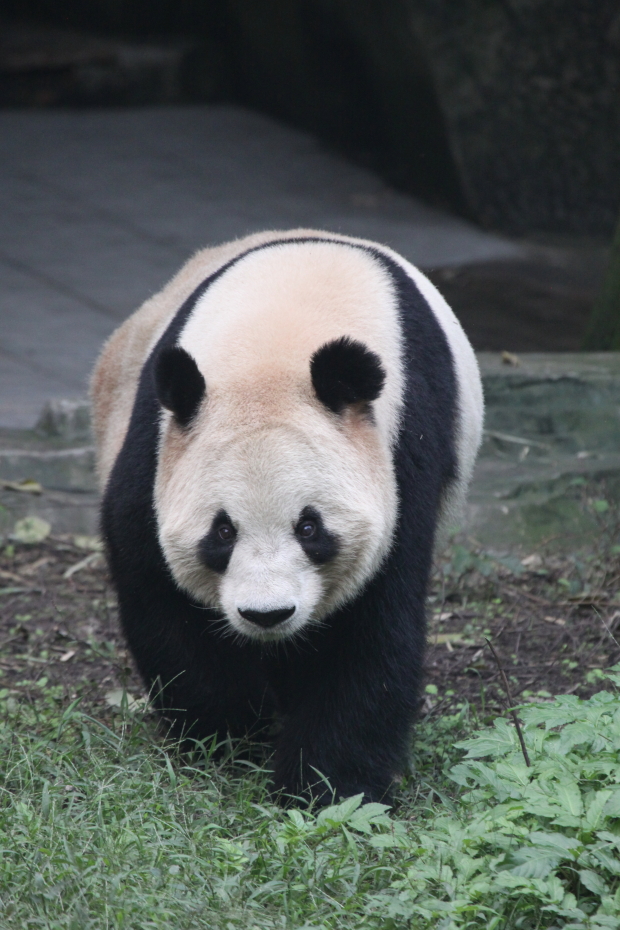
{"x": 321, "y": 794}
{"x": 369, "y": 795}
{"x": 310, "y": 797}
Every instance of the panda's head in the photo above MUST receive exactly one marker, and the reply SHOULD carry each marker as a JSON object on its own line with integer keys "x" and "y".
{"x": 275, "y": 495}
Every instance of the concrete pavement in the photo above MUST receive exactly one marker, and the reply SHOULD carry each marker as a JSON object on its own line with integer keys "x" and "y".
{"x": 99, "y": 208}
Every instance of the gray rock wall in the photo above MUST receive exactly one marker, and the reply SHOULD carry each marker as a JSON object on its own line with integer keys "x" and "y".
{"x": 530, "y": 90}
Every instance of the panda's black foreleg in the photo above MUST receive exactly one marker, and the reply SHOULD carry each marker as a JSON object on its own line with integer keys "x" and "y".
{"x": 206, "y": 686}
{"x": 349, "y": 707}
{"x": 330, "y": 749}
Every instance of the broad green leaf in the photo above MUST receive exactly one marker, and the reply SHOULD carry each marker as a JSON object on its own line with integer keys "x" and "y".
{"x": 339, "y": 813}
{"x": 593, "y": 882}
{"x": 518, "y": 772}
{"x": 544, "y": 855}
{"x": 575, "y": 734}
{"x": 510, "y": 880}
{"x": 555, "y": 841}
{"x": 549, "y": 715}
{"x": 493, "y": 742}
{"x": 487, "y": 775}
{"x": 297, "y": 818}
{"x": 595, "y": 808}
{"x": 600, "y": 506}
{"x": 612, "y": 805}
{"x": 118, "y": 697}
{"x": 610, "y": 838}
{"x": 369, "y": 814}
{"x": 569, "y": 796}
{"x": 604, "y": 922}
{"x": 542, "y": 807}
{"x": 567, "y": 820}
{"x": 606, "y": 861}
{"x": 555, "y": 890}
{"x": 613, "y": 674}
{"x": 389, "y": 841}
{"x": 31, "y": 530}
{"x": 461, "y": 774}
{"x": 593, "y": 768}
{"x": 600, "y": 743}
{"x": 535, "y": 863}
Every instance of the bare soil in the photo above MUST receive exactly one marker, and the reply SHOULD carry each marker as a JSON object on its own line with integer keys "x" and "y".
{"x": 554, "y": 624}
{"x": 57, "y": 630}
{"x": 553, "y": 631}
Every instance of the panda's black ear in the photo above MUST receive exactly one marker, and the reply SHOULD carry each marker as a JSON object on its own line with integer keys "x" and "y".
{"x": 345, "y": 372}
{"x": 179, "y": 384}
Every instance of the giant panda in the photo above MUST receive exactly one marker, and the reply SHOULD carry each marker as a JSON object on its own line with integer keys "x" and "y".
{"x": 284, "y": 432}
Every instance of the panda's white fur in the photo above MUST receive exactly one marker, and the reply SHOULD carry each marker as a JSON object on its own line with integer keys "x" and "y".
{"x": 263, "y": 446}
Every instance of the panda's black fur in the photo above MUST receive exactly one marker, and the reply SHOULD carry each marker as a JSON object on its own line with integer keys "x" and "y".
{"x": 348, "y": 693}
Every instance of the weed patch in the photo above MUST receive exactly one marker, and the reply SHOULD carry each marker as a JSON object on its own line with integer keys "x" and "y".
{"x": 105, "y": 827}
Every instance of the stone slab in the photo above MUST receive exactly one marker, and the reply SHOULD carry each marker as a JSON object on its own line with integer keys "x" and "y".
{"x": 98, "y": 208}
{"x": 564, "y": 402}
{"x": 551, "y": 445}
{"x": 66, "y": 512}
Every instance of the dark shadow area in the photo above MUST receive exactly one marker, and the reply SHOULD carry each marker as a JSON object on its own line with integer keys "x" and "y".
{"x": 376, "y": 104}
{"x": 536, "y": 305}
{"x": 301, "y": 62}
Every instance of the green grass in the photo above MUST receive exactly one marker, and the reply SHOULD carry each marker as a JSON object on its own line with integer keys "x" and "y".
{"x": 102, "y": 828}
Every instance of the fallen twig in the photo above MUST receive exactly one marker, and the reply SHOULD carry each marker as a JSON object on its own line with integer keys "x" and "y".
{"x": 511, "y": 707}
{"x": 87, "y": 562}
{"x": 517, "y": 440}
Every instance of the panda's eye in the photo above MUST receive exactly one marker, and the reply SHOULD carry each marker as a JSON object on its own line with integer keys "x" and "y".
{"x": 317, "y": 542}
{"x": 216, "y": 548}
{"x": 226, "y": 532}
{"x": 306, "y": 529}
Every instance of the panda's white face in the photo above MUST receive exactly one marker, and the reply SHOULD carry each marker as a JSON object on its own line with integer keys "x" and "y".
{"x": 287, "y": 529}
{"x": 275, "y": 492}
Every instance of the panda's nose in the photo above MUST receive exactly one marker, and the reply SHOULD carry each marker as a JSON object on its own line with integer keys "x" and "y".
{"x": 267, "y": 618}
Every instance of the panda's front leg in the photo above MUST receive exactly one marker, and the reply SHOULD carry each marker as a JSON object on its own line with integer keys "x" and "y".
{"x": 348, "y": 710}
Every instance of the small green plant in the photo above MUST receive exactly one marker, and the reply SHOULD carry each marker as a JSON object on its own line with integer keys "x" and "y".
{"x": 526, "y": 846}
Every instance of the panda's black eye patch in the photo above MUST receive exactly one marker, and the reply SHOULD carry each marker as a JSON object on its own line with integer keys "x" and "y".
{"x": 318, "y": 543}
{"x": 215, "y": 549}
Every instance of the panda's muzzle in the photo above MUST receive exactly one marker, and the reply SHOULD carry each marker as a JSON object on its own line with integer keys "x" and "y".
{"x": 267, "y": 618}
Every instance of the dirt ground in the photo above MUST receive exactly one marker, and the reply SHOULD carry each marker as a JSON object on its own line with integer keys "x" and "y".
{"x": 554, "y": 623}
{"x": 552, "y": 630}
{"x": 59, "y": 628}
